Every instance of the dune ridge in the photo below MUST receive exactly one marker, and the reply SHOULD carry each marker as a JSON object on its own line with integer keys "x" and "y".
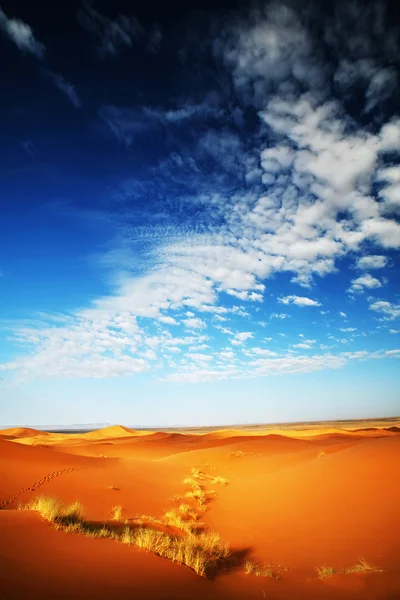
{"x": 288, "y": 502}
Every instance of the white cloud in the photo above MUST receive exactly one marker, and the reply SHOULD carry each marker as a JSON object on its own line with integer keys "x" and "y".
{"x": 245, "y": 295}
{"x": 299, "y": 301}
{"x": 167, "y": 320}
{"x": 391, "y": 311}
{"x": 194, "y": 323}
{"x": 348, "y": 329}
{"x": 240, "y": 338}
{"x": 395, "y": 353}
{"x": 342, "y": 314}
{"x": 364, "y": 282}
{"x": 261, "y": 352}
{"x": 22, "y": 35}
{"x": 374, "y": 261}
{"x": 199, "y": 357}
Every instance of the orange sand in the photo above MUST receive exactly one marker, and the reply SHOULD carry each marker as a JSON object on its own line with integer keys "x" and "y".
{"x": 301, "y": 499}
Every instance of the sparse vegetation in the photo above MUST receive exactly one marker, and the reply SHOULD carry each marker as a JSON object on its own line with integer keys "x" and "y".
{"x": 179, "y": 521}
{"x": 51, "y": 509}
{"x": 237, "y": 454}
{"x": 325, "y": 571}
{"x": 219, "y": 480}
{"x": 252, "y": 568}
{"x": 198, "y": 551}
{"x": 188, "y": 511}
{"x": 361, "y": 566}
{"x": 321, "y": 454}
{"x": 113, "y": 487}
{"x": 197, "y": 474}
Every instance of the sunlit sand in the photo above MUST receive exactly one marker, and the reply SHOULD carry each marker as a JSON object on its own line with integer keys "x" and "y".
{"x": 291, "y": 511}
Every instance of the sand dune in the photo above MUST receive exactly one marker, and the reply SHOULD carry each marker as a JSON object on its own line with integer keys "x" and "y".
{"x": 299, "y": 499}
{"x": 21, "y": 432}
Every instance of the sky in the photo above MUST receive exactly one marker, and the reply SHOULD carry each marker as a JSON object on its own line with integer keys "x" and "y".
{"x": 199, "y": 212}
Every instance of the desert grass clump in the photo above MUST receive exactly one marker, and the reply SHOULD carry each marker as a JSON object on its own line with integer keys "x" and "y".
{"x": 174, "y": 519}
{"x": 116, "y": 513}
{"x": 362, "y": 566}
{"x": 197, "y": 474}
{"x": 265, "y": 571}
{"x": 52, "y": 510}
{"x": 198, "y": 495}
{"x": 188, "y": 511}
{"x": 198, "y": 552}
{"x": 190, "y": 481}
{"x": 219, "y": 480}
{"x": 325, "y": 571}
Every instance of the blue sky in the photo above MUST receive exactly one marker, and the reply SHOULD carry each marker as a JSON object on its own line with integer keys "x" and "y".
{"x": 200, "y": 212}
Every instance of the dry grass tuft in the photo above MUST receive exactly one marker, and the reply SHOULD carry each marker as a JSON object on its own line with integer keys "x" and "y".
{"x": 198, "y": 552}
{"x": 219, "y": 480}
{"x": 188, "y": 511}
{"x": 116, "y": 513}
{"x": 52, "y": 510}
{"x": 264, "y": 571}
{"x": 325, "y": 571}
{"x": 177, "y": 520}
{"x": 197, "y": 474}
{"x": 190, "y": 481}
{"x": 199, "y": 496}
{"x": 362, "y": 566}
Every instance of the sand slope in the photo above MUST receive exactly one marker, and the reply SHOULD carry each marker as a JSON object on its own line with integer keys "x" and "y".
{"x": 321, "y": 496}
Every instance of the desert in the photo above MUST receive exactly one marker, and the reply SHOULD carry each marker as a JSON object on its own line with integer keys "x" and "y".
{"x": 299, "y": 511}
{"x": 200, "y": 300}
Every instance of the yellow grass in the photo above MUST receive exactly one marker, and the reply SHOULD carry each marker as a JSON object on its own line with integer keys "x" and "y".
{"x": 325, "y": 571}
{"x": 116, "y": 513}
{"x": 362, "y": 566}
{"x": 51, "y": 509}
{"x": 198, "y": 551}
{"x": 219, "y": 480}
{"x": 264, "y": 571}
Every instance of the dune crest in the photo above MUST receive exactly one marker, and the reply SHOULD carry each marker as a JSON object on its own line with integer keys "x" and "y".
{"x": 21, "y": 432}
